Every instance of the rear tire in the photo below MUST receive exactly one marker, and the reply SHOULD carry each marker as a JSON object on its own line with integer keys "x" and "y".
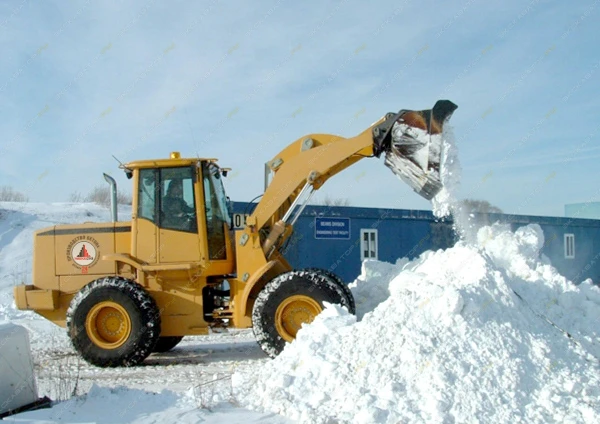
{"x": 288, "y": 301}
{"x": 165, "y": 344}
{"x": 113, "y": 322}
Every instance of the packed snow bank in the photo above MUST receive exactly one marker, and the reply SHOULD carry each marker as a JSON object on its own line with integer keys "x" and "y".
{"x": 123, "y": 405}
{"x": 576, "y": 309}
{"x": 371, "y": 287}
{"x": 451, "y": 343}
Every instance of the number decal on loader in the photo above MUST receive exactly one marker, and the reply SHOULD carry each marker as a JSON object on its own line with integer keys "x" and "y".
{"x": 239, "y": 220}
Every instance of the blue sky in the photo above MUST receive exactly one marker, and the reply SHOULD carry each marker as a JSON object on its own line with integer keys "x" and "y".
{"x": 84, "y": 80}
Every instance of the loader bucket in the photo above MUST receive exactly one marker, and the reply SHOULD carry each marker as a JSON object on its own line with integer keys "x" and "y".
{"x": 412, "y": 143}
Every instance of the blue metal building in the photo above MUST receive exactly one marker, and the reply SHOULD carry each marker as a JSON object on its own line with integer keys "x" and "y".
{"x": 340, "y": 238}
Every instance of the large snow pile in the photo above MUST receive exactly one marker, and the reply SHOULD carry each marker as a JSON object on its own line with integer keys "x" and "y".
{"x": 486, "y": 331}
{"x": 372, "y": 286}
{"x": 475, "y": 333}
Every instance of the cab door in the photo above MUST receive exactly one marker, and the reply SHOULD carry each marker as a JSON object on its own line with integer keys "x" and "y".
{"x": 145, "y": 220}
{"x": 178, "y": 240}
{"x": 218, "y": 237}
{"x": 166, "y": 222}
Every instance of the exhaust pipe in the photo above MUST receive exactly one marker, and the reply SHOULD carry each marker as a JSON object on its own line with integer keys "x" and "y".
{"x": 413, "y": 142}
{"x": 113, "y": 196}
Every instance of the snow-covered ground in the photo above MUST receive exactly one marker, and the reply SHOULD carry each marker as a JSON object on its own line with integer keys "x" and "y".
{"x": 486, "y": 331}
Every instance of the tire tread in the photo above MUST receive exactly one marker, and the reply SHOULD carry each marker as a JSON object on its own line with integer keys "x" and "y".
{"x": 137, "y": 301}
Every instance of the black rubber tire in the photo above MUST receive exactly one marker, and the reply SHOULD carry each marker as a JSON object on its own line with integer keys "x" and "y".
{"x": 142, "y": 312}
{"x": 337, "y": 280}
{"x": 314, "y": 285}
{"x": 165, "y": 344}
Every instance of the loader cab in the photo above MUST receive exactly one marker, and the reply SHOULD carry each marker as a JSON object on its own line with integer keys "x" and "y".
{"x": 181, "y": 215}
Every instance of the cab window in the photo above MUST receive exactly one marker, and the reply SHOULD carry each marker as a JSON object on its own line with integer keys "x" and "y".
{"x": 147, "y": 195}
{"x": 177, "y": 203}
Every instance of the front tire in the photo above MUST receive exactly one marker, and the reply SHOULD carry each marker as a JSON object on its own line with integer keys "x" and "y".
{"x": 340, "y": 283}
{"x": 288, "y": 301}
{"x": 113, "y": 322}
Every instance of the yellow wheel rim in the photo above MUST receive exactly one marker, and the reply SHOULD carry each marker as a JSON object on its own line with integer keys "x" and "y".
{"x": 108, "y": 325}
{"x": 293, "y": 312}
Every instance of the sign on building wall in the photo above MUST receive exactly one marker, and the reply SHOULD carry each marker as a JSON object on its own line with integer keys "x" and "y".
{"x": 332, "y": 228}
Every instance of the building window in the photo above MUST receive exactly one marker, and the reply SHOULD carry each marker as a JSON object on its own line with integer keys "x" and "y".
{"x": 368, "y": 244}
{"x": 569, "y": 246}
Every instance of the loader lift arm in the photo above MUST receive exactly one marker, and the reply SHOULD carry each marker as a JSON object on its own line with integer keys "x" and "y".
{"x": 411, "y": 141}
{"x": 318, "y": 157}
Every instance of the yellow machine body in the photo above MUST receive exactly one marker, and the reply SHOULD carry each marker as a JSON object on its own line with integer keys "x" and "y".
{"x": 186, "y": 263}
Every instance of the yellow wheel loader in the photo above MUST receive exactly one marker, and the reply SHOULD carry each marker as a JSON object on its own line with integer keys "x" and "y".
{"x": 126, "y": 289}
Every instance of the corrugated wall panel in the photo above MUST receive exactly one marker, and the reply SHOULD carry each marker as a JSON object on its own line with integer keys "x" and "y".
{"x": 408, "y": 233}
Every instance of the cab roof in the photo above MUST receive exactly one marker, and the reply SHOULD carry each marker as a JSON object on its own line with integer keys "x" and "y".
{"x": 174, "y": 160}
